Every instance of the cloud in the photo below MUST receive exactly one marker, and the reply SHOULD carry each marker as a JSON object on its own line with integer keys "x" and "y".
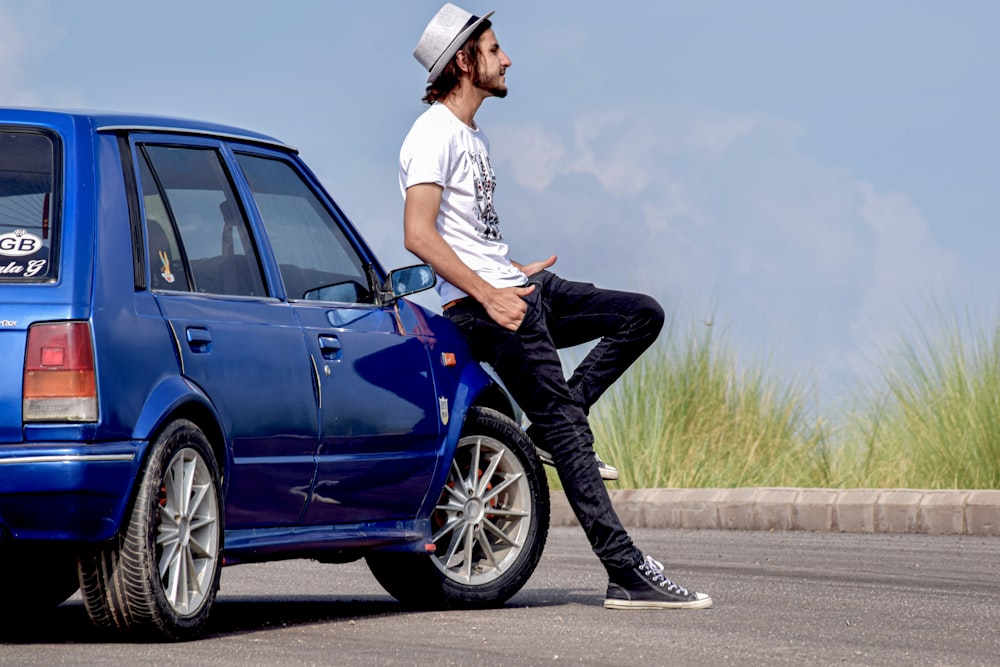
{"x": 626, "y": 151}
{"x": 801, "y": 257}
{"x": 542, "y": 161}
{"x": 909, "y": 267}
{"x": 715, "y": 133}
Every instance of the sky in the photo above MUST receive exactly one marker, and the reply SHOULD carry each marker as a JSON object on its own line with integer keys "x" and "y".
{"x": 812, "y": 179}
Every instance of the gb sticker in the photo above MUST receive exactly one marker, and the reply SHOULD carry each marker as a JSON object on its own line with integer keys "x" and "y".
{"x": 19, "y": 243}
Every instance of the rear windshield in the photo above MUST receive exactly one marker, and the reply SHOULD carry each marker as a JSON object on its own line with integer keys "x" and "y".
{"x": 27, "y": 199}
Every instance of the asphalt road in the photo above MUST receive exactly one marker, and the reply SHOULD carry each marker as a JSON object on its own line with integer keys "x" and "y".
{"x": 791, "y": 598}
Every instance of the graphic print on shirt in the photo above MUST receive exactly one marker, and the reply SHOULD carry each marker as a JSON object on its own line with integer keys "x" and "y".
{"x": 485, "y": 183}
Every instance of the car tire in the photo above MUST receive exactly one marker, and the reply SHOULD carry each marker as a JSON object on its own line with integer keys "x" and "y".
{"x": 489, "y": 525}
{"x": 160, "y": 576}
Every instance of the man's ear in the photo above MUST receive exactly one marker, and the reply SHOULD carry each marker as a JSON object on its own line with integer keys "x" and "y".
{"x": 462, "y": 59}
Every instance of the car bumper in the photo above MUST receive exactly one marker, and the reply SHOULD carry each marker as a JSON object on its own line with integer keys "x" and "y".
{"x": 72, "y": 493}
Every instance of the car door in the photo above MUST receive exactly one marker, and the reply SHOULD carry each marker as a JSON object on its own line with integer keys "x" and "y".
{"x": 378, "y": 418}
{"x": 241, "y": 346}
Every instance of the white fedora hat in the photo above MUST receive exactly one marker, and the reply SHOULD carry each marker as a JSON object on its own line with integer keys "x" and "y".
{"x": 444, "y": 36}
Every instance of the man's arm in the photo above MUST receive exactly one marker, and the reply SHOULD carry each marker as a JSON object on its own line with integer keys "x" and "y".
{"x": 420, "y": 236}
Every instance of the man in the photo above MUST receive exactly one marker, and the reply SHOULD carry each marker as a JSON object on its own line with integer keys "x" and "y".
{"x": 517, "y": 316}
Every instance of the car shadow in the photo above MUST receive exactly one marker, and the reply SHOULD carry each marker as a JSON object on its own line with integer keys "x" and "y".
{"x": 237, "y": 615}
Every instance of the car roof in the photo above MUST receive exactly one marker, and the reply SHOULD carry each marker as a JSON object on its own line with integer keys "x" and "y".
{"x": 113, "y": 121}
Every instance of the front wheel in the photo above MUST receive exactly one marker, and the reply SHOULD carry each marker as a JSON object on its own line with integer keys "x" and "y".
{"x": 490, "y": 523}
{"x": 159, "y": 578}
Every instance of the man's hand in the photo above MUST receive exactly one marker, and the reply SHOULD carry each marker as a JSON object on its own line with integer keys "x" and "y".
{"x": 506, "y": 306}
{"x": 535, "y": 267}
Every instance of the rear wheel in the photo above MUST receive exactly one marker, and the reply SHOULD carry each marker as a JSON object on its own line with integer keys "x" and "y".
{"x": 490, "y": 523}
{"x": 159, "y": 578}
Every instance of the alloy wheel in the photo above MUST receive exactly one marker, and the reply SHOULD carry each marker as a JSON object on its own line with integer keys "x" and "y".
{"x": 188, "y": 532}
{"x": 482, "y": 519}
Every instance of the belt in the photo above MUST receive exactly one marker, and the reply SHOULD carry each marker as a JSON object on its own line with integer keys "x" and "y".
{"x": 454, "y": 303}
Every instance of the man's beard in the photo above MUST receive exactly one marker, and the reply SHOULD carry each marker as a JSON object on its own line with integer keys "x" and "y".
{"x": 493, "y": 87}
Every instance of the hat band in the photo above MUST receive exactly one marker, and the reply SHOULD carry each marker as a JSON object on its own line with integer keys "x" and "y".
{"x": 472, "y": 19}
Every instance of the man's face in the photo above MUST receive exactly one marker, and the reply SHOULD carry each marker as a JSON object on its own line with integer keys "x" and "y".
{"x": 493, "y": 64}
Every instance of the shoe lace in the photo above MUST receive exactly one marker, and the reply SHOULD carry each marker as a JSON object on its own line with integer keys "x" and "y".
{"x": 655, "y": 570}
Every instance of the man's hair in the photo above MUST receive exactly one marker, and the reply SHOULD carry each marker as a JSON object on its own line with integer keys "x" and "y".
{"x": 452, "y": 73}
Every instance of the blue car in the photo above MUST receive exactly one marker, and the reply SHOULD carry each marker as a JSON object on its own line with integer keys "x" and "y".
{"x": 203, "y": 364}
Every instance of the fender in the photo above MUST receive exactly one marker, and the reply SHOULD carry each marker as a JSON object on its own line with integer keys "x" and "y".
{"x": 166, "y": 398}
{"x": 475, "y": 386}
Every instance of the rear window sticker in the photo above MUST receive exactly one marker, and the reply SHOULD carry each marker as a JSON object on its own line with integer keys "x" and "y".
{"x": 29, "y": 270}
{"x": 165, "y": 272}
{"x": 19, "y": 243}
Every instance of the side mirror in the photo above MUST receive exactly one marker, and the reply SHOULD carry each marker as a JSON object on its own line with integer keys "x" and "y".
{"x": 406, "y": 281}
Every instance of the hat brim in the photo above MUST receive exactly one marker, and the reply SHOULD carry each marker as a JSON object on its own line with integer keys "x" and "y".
{"x": 453, "y": 48}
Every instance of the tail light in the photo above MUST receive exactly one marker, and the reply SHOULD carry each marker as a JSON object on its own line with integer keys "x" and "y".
{"x": 59, "y": 382}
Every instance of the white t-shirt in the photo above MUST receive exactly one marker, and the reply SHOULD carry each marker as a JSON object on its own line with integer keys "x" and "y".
{"x": 442, "y": 149}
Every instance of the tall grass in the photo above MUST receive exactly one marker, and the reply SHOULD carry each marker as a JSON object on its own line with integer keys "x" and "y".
{"x": 933, "y": 420}
{"x": 688, "y": 414}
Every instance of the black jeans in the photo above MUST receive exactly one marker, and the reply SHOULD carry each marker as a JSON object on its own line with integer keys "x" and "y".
{"x": 562, "y": 313}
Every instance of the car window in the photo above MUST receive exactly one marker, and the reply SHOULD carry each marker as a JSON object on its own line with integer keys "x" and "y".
{"x": 27, "y": 204}
{"x": 316, "y": 259}
{"x": 166, "y": 266}
{"x": 187, "y": 193}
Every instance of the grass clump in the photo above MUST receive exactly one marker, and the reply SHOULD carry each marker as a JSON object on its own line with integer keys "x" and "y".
{"x": 933, "y": 419}
{"x": 686, "y": 415}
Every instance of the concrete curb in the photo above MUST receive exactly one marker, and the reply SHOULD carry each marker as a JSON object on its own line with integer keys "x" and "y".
{"x": 819, "y": 510}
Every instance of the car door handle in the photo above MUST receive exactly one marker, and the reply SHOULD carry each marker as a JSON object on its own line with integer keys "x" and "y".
{"x": 329, "y": 347}
{"x": 199, "y": 340}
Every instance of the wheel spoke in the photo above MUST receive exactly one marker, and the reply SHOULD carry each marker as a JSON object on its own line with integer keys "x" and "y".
{"x": 451, "y": 507}
{"x": 200, "y": 522}
{"x": 455, "y": 544}
{"x": 187, "y": 466}
{"x": 456, "y": 472}
{"x": 172, "y": 502}
{"x": 171, "y": 577}
{"x": 450, "y": 525}
{"x": 500, "y": 512}
{"x": 469, "y": 543}
{"x": 484, "y": 544}
{"x": 173, "y": 480}
{"x": 491, "y": 527}
{"x": 484, "y": 482}
{"x": 203, "y": 544}
{"x": 168, "y": 559}
{"x": 457, "y": 493}
{"x": 496, "y": 490}
{"x": 471, "y": 480}
{"x": 191, "y": 583}
{"x": 199, "y": 503}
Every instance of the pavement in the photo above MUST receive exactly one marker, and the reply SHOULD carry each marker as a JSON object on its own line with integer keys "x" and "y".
{"x": 929, "y": 512}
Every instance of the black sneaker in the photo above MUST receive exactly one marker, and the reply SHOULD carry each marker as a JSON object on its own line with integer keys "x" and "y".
{"x": 608, "y": 471}
{"x": 646, "y": 587}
